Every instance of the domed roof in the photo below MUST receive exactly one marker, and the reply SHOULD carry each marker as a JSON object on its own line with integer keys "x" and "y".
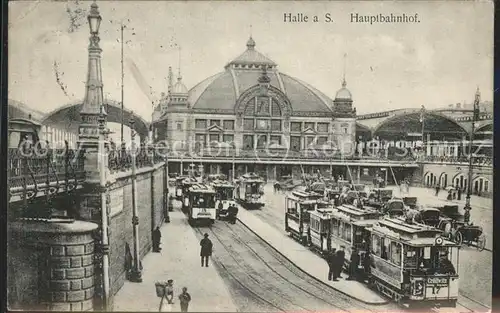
{"x": 222, "y": 90}
{"x": 343, "y": 93}
{"x": 179, "y": 87}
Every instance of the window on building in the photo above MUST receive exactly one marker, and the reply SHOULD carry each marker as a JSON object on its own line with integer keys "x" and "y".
{"x": 275, "y": 110}
{"x": 261, "y": 141}
{"x": 262, "y": 107}
{"x": 309, "y": 141}
{"x": 322, "y": 140}
{"x": 295, "y": 143}
{"x": 276, "y": 125}
{"x": 322, "y": 127}
{"x": 366, "y": 171}
{"x": 215, "y": 122}
{"x": 345, "y": 130}
{"x": 486, "y": 186}
{"x": 228, "y": 138}
{"x": 214, "y": 138}
{"x": 275, "y": 140}
{"x": 179, "y": 125}
{"x": 248, "y": 124}
{"x": 247, "y": 141}
{"x": 200, "y": 124}
{"x": 228, "y": 125}
{"x": 308, "y": 125}
{"x": 201, "y": 138}
{"x": 262, "y": 125}
{"x": 295, "y": 126}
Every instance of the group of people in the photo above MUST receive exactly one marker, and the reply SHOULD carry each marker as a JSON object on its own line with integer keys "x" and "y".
{"x": 335, "y": 261}
{"x": 232, "y": 211}
{"x": 167, "y": 300}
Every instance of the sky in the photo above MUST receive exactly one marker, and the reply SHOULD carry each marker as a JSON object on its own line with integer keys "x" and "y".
{"x": 437, "y": 62}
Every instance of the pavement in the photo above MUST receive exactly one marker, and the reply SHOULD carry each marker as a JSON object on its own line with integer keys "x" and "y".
{"x": 306, "y": 260}
{"x": 179, "y": 260}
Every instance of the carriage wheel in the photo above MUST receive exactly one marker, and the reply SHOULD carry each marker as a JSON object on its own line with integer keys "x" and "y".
{"x": 481, "y": 242}
{"x": 458, "y": 238}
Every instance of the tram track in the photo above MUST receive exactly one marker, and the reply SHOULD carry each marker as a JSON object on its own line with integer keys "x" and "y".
{"x": 273, "y": 279}
{"x": 251, "y": 291}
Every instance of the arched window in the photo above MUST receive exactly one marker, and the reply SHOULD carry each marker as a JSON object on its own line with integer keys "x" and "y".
{"x": 262, "y": 123}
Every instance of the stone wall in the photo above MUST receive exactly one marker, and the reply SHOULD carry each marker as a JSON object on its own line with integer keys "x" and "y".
{"x": 150, "y": 193}
{"x": 51, "y": 265}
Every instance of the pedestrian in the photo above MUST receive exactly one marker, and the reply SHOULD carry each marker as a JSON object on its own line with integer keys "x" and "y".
{"x": 353, "y": 266}
{"x": 206, "y": 250}
{"x": 437, "y": 190}
{"x": 169, "y": 291}
{"x": 233, "y": 213}
{"x": 170, "y": 203}
{"x": 459, "y": 194}
{"x": 330, "y": 259}
{"x": 339, "y": 262}
{"x": 220, "y": 208}
{"x": 184, "y": 299}
{"x": 156, "y": 239}
{"x": 467, "y": 214}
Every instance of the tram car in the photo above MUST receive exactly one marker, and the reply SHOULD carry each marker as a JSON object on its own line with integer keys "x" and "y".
{"x": 185, "y": 185}
{"x": 224, "y": 193}
{"x": 320, "y": 221}
{"x": 249, "y": 191}
{"x": 179, "y": 187}
{"x": 298, "y": 205}
{"x": 201, "y": 207}
{"x": 413, "y": 264}
{"x": 349, "y": 229}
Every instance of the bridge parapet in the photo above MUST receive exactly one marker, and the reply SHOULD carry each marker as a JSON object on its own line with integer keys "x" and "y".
{"x": 36, "y": 171}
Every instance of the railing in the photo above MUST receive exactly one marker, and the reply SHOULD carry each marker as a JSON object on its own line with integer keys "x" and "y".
{"x": 290, "y": 155}
{"x": 476, "y": 160}
{"x": 37, "y": 171}
{"x": 120, "y": 159}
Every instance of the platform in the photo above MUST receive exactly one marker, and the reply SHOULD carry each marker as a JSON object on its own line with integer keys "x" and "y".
{"x": 179, "y": 260}
{"x": 306, "y": 260}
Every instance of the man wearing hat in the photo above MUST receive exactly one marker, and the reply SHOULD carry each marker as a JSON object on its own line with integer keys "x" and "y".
{"x": 206, "y": 249}
{"x": 340, "y": 256}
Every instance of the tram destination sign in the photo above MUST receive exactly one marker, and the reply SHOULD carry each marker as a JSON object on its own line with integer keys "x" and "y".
{"x": 440, "y": 281}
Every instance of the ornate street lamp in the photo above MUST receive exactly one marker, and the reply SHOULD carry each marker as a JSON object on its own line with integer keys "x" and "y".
{"x": 94, "y": 19}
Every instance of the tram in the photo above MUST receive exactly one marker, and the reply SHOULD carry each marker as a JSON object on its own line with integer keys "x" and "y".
{"x": 249, "y": 191}
{"x": 320, "y": 230}
{"x": 413, "y": 264}
{"x": 201, "y": 207}
{"x": 185, "y": 184}
{"x": 349, "y": 229}
{"x": 298, "y": 205}
{"x": 179, "y": 187}
{"x": 224, "y": 193}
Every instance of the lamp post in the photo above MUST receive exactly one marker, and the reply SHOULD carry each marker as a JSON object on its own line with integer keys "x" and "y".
{"x": 475, "y": 117}
{"x": 135, "y": 275}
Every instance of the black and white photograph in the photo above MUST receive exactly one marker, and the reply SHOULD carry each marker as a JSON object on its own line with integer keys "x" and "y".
{"x": 250, "y": 156}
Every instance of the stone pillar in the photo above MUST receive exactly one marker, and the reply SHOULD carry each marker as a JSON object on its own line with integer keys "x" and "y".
{"x": 65, "y": 270}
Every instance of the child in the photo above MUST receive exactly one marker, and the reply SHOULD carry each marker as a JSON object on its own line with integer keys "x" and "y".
{"x": 184, "y": 298}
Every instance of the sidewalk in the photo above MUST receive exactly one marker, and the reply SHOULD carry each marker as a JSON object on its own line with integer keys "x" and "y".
{"x": 306, "y": 259}
{"x": 179, "y": 260}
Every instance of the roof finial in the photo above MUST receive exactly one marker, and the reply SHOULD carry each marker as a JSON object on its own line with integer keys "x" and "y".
{"x": 344, "y": 84}
{"x": 250, "y": 43}
{"x": 179, "y": 77}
